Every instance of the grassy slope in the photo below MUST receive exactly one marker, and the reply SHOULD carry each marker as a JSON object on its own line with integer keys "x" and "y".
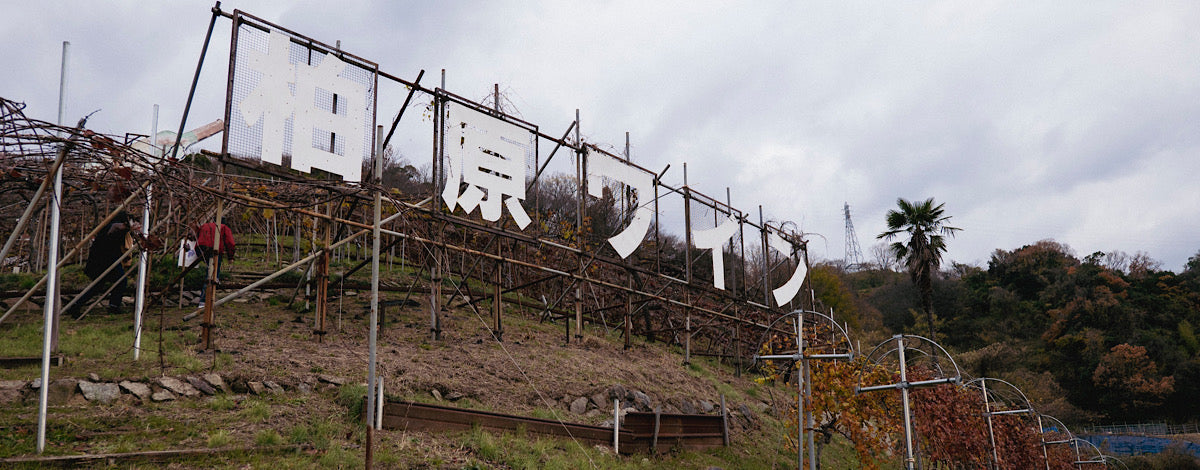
{"x": 532, "y": 373}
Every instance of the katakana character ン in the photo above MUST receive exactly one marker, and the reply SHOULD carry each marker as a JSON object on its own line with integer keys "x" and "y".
{"x": 786, "y": 292}
{"x": 485, "y": 153}
{"x": 714, "y": 239}
{"x": 273, "y": 101}
{"x": 642, "y": 183}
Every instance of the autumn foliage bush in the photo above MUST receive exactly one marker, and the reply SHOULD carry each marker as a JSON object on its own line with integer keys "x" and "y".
{"x": 951, "y": 428}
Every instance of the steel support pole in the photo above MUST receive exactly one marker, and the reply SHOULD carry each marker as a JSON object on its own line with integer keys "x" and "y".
{"x": 374, "y": 326}
{"x": 51, "y": 301}
{"x": 581, "y": 180}
{"x": 657, "y": 241}
{"x": 625, "y": 190}
{"x": 799, "y": 392}
{"x": 909, "y": 462}
{"x": 497, "y": 290}
{"x": 649, "y": 332}
{"x": 379, "y": 404}
{"x": 1042, "y": 437}
{"x": 1075, "y": 445}
{"x": 687, "y": 338}
{"x": 616, "y": 426}
{"x": 626, "y": 210}
{"x": 216, "y": 11}
{"x": 52, "y": 264}
{"x": 812, "y": 444}
{"x": 498, "y": 297}
{"x": 687, "y": 226}
{"x": 321, "y": 308}
{"x": 211, "y": 288}
{"x": 987, "y": 412}
{"x": 628, "y": 311}
{"x": 139, "y": 304}
{"x": 438, "y": 253}
{"x": 766, "y": 258}
{"x": 737, "y": 348}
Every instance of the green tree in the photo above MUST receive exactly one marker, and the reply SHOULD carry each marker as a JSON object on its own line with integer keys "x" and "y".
{"x": 1193, "y": 263}
{"x": 833, "y": 293}
{"x": 926, "y": 226}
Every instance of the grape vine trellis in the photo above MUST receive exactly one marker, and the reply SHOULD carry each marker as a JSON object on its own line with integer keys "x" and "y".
{"x": 943, "y": 420}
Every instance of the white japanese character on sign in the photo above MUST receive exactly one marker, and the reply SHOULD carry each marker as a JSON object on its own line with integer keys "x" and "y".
{"x": 786, "y": 292}
{"x": 714, "y": 239}
{"x": 643, "y": 187}
{"x": 486, "y": 156}
{"x": 273, "y": 101}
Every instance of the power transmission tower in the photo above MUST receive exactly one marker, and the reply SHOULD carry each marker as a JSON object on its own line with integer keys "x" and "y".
{"x": 854, "y": 257}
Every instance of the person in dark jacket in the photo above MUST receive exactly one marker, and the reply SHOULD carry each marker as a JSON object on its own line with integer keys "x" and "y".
{"x": 106, "y": 249}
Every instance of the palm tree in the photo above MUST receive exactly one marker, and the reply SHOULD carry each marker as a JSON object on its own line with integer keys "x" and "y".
{"x": 926, "y": 227}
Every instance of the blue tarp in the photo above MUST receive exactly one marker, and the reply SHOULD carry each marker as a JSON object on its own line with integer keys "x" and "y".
{"x": 1139, "y": 445}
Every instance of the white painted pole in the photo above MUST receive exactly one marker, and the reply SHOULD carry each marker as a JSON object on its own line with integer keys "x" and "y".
{"x": 800, "y": 421}
{"x": 987, "y": 411}
{"x": 1042, "y": 436}
{"x": 812, "y": 444}
{"x": 910, "y": 462}
{"x": 139, "y": 304}
{"x": 374, "y": 326}
{"x": 52, "y": 273}
{"x": 379, "y": 405}
{"x": 617, "y": 426}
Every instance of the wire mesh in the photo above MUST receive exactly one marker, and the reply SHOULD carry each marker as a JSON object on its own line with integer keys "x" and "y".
{"x": 245, "y": 139}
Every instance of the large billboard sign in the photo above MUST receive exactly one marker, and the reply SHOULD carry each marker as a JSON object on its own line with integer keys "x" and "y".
{"x": 297, "y": 104}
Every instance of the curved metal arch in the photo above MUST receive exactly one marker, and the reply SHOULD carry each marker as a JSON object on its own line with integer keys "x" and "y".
{"x": 845, "y": 335}
{"x": 994, "y": 393}
{"x": 921, "y": 339}
{"x": 878, "y": 353}
{"x": 1100, "y": 457}
{"x": 1066, "y": 430}
{"x": 837, "y": 329}
{"x": 1113, "y": 458}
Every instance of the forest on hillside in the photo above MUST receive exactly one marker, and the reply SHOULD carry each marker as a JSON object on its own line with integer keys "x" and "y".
{"x": 1099, "y": 339}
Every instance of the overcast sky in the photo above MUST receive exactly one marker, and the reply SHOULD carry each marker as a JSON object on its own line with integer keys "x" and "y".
{"x": 1072, "y": 121}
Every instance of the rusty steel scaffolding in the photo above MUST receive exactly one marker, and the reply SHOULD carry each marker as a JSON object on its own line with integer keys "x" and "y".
{"x": 569, "y": 279}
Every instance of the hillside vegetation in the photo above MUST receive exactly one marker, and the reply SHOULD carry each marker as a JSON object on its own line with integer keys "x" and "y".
{"x": 1106, "y": 338}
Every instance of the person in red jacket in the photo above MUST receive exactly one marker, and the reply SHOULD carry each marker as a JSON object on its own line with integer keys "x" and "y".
{"x": 206, "y": 241}
{"x": 212, "y": 242}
